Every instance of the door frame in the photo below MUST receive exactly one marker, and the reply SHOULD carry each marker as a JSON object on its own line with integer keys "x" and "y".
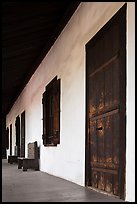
{"x": 121, "y": 14}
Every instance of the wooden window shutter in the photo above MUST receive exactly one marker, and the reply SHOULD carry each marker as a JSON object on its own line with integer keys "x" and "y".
{"x": 44, "y": 118}
{"x": 56, "y": 114}
{"x": 51, "y": 113}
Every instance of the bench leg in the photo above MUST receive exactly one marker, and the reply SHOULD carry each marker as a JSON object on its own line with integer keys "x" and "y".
{"x": 20, "y": 164}
{"x": 36, "y": 166}
{"x": 25, "y": 165}
{"x": 10, "y": 160}
{"x": 24, "y": 169}
{"x": 37, "y": 169}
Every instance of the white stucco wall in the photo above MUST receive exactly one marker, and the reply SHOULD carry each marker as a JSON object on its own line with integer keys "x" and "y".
{"x": 66, "y": 59}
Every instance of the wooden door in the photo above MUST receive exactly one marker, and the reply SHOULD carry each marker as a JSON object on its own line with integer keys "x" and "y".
{"x": 22, "y": 152}
{"x": 105, "y": 155}
{"x": 7, "y": 138}
{"x": 17, "y": 126}
{"x": 10, "y": 139}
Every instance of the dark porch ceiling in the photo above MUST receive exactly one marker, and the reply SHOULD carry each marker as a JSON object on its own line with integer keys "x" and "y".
{"x": 28, "y": 32}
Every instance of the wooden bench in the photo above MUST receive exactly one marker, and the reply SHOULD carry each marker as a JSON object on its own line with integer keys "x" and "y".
{"x": 12, "y": 159}
{"x": 32, "y": 162}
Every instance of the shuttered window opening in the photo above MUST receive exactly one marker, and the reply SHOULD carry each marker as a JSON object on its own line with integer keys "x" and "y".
{"x": 7, "y": 138}
{"x": 51, "y": 113}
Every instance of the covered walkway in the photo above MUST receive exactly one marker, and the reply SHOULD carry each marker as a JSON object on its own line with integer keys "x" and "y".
{"x": 37, "y": 186}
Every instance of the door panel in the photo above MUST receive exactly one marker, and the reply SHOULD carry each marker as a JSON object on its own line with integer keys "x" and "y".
{"x": 105, "y": 96}
{"x": 10, "y": 139}
{"x": 17, "y": 126}
{"x": 22, "y": 152}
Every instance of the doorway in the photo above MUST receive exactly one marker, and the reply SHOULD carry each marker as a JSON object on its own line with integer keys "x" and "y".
{"x": 22, "y": 152}
{"x": 17, "y": 126}
{"x": 10, "y": 139}
{"x": 105, "y": 107}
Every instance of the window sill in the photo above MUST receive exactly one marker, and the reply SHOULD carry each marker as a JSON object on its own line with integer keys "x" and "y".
{"x": 50, "y": 145}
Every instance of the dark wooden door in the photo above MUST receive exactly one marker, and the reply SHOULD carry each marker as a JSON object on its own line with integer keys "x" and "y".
{"x": 7, "y": 138}
{"x": 10, "y": 139}
{"x": 105, "y": 156}
{"x": 17, "y": 126}
{"x": 22, "y": 152}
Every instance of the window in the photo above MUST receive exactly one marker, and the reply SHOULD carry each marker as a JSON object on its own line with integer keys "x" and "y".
{"x": 7, "y": 138}
{"x": 51, "y": 113}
